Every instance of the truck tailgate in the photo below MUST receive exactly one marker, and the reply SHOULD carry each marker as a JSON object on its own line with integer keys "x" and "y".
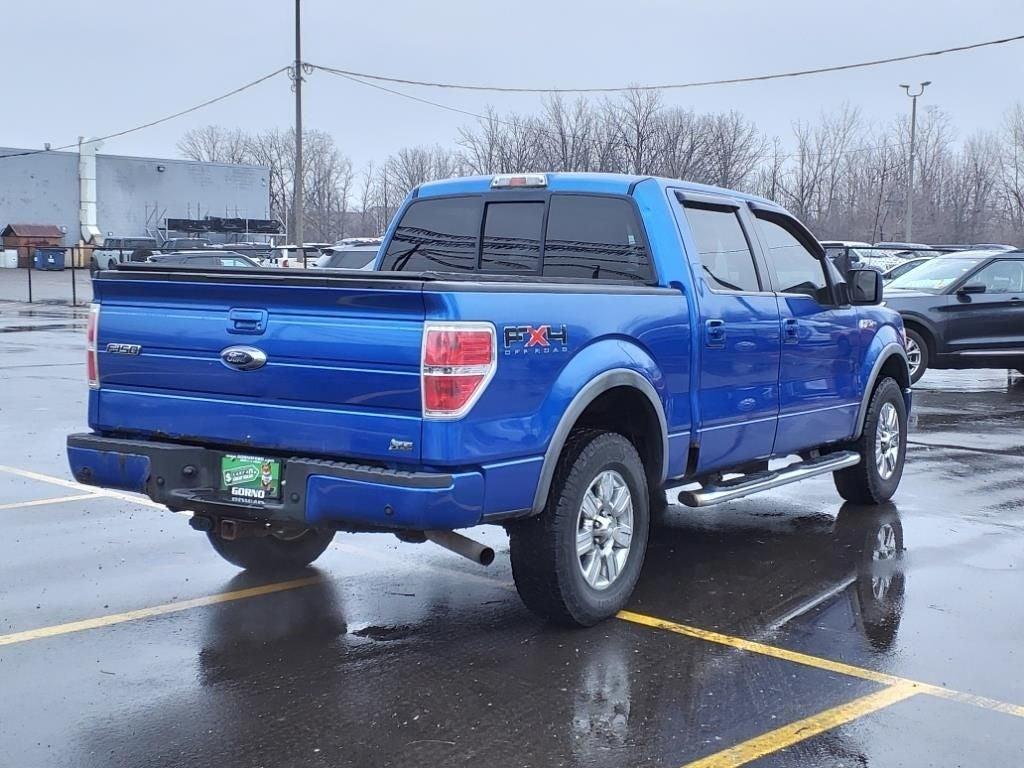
{"x": 341, "y": 376}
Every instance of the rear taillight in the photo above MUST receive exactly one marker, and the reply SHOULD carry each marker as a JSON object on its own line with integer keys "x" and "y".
{"x": 92, "y": 363}
{"x": 458, "y": 362}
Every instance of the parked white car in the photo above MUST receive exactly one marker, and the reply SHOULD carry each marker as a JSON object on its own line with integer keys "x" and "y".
{"x": 291, "y": 257}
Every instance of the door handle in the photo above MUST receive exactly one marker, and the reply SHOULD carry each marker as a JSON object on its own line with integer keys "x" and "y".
{"x": 790, "y": 330}
{"x": 252, "y": 321}
{"x": 715, "y": 331}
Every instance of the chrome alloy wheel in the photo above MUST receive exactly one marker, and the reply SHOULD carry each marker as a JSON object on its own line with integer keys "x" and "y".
{"x": 884, "y": 551}
{"x": 887, "y": 441}
{"x": 913, "y": 356}
{"x": 604, "y": 529}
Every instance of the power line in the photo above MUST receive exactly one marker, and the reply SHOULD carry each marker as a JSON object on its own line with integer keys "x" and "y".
{"x": 676, "y": 86}
{"x": 158, "y": 121}
{"x": 421, "y": 100}
{"x": 572, "y": 136}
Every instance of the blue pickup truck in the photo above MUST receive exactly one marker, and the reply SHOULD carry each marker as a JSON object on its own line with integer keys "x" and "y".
{"x": 552, "y": 353}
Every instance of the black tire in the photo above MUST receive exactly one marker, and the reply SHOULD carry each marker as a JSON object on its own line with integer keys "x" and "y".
{"x": 545, "y": 563}
{"x": 94, "y": 267}
{"x": 271, "y": 554}
{"x": 863, "y": 483}
{"x": 918, "y": 339}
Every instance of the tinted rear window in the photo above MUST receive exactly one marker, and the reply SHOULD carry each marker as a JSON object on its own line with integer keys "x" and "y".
{"x": 512, "y": 234}
{"x": 594, "y": 237}
{"x": 588, "y": 237}
{"x": 436, "y": 235}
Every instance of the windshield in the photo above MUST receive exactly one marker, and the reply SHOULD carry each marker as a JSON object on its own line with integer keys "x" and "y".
{"x": 935, "y": 276}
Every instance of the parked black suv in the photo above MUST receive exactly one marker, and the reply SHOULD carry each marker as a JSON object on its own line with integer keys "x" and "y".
{"x": 963, "y": 310}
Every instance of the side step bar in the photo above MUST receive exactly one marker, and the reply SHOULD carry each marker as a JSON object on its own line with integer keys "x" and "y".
{"x": 763, "y": 481}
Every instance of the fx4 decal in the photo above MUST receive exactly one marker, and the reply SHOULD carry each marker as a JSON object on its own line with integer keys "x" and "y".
{"x": 541, "y": 339}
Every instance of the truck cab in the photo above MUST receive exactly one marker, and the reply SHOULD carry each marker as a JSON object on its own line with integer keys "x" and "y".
{"x": 552, "y": 353}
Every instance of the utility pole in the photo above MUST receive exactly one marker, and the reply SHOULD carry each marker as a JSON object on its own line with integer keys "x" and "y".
{"x": 297, "y": 234}
{"x": 909, "y": 228}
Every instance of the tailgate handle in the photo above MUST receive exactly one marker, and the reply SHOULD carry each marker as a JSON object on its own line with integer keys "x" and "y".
{"x": 252, "y": 321}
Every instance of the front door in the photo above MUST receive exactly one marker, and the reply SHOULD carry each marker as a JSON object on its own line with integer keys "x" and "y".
{"x": 739, "y": 337}
{"x": 818, "y": 388}
{"x": 989, "y": 324}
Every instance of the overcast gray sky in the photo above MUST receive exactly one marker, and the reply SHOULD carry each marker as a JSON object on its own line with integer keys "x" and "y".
{"x": 72, "y": 68}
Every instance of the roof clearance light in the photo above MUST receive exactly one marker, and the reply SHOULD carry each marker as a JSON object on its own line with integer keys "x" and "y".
{"x": 507, "y": 180}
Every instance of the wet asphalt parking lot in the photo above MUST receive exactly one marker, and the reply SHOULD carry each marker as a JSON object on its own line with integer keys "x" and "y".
{"x": 780, "y": 630}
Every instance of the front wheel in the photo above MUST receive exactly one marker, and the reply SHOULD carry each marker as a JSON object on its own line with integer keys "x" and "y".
{"x": 275, "y": 552}
{"x": 882, "y": 446}
{"x": 917, "y": 355}
{"x": 578, "y": 561}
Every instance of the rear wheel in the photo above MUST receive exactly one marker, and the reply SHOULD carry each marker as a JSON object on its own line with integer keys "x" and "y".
{"x": 275, "y": 552}
{"x": 882, "y": 446}
{"x": 578, "y": 561}
{"x": 917, "y": 355}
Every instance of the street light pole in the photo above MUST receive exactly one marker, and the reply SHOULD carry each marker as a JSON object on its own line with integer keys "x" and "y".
{"x": 297, "y": 213}
{"x": 909, "y": 228}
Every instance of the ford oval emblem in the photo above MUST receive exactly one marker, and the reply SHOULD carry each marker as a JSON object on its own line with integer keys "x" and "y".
{"x": 243, "y": 358}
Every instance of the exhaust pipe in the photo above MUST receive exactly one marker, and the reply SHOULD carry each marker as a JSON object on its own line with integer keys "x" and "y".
{"x": 460, "y": 545}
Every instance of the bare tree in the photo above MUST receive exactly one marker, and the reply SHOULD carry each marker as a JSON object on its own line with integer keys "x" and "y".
{"x": 735, "y": 147}
{"x": 213, "y": 144}
{"x": 846, "y": 178}
{"x": 637, "y": 118}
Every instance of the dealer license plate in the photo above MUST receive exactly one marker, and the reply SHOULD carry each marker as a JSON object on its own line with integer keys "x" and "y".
{"x": 250, "y": 478}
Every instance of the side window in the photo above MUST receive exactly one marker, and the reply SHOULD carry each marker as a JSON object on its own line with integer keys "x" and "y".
{"x": 596, "y": 238}
{"x": 1001, "y": 277}
{"x": 726, "y": 261}
{"x": 436, "y": 235}
{"x": 512, "y": 233}
{"x": 795, "y": 268}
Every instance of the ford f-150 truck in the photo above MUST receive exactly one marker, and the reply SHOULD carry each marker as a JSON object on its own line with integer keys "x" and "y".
{"x": 552, "y": 353}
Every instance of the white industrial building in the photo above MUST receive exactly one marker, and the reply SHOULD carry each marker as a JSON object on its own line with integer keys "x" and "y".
{"x": 89, "y": 195}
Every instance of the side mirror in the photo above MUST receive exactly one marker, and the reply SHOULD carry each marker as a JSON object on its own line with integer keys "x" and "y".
{"x": 972, "y": 288}
{"x": 865, "y": 286}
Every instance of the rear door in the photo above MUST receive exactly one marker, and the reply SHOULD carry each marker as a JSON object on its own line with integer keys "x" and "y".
{"x": 818, "y": 387}
{"x": 739, "y": 335}
{"x": 993, "y": 321}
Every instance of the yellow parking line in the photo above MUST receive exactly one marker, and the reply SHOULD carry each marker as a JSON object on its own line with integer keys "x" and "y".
{"x": 156, "y": 610}
{"x": 975, "y": 701}
{"x": 53, "y": 500}
{"x": 808, "y": 727}
{"x": 760, "y": 648}
{"x": 706, "y": 635}
{"x": 818, "y": 662}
